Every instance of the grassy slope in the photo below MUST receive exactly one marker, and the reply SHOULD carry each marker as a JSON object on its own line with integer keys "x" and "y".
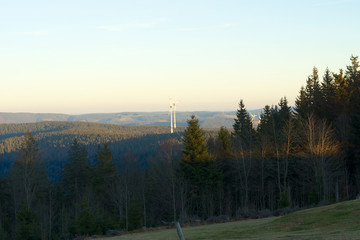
{"x": 337, "y": 221}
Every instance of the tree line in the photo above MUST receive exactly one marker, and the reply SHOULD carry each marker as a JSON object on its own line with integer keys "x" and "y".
{"x": 292, "y": 158}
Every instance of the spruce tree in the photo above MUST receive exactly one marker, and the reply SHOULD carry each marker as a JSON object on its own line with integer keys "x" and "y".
{"x": 196, "y": 165}
{"x": 104, "y": 177}
{"x": 76, "y": 174}
{"x": 28, "y": 227}
{"x": 195, "y": 150}
{"x": 302, "y": 104}
{"x": 328, "y": 96}
{"x": 224, "y": 140}
{"x": 242, "y": 126}
{"x": 28, "y": 174}
{"x": 353, "y": 78}
{"x": 244, "y": 135}
{"x": 105, "y": 169}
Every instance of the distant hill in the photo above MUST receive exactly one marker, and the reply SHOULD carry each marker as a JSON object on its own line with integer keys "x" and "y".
{"x": 127, "y": 143}
{"x": 206, "y": 119}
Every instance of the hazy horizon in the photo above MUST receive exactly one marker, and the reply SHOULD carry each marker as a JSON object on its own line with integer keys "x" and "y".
{"x": 85, "y": 113}
{"x": 81, "y": 56}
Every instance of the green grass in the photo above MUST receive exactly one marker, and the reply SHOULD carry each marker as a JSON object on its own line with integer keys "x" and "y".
{"x": 337, "y": 221}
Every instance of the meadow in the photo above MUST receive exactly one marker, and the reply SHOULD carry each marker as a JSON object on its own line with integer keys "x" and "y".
{"x": 336, "y": 221}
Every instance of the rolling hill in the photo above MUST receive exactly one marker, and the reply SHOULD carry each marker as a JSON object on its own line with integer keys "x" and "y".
{"x": 206, "y": 119}
{"x": 127, "y": 143}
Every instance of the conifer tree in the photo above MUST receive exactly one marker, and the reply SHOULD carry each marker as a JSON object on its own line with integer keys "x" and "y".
{"x": 195, "y": 150}
{"x": 196, "y": 166}
{"x": 242, "y": 126}
{"x": 85, "y": 221}
{"x": 28, "y": 225}
{"x": 76, "y": 174}
{"x": 224, "y": 140}
{"x": 104, "y": 178}
{"x": 27, "y": 179}
{"x": 302, "y": 104}
{"x": 353, "y": 76}
{"x": 105, "y": 169}
{"x": 27, "y": 174}
{"x": 328, "y": 96}
{"x": 244, "y": 135}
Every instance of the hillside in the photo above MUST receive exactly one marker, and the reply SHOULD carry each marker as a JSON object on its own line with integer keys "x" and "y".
{"x": 54, "y": 139}
{"x": 207, "y": 119}
{"x": 337, "y": 221}
{"x": 127, "y": 143}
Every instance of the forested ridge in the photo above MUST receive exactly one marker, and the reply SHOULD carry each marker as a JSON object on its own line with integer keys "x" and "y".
{"x": 295, "y": 157}
{"x": 54, "y": 139}
{"x": 208, "y": 119}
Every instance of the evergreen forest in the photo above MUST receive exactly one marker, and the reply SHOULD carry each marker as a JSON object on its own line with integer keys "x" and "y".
{"x": 63, "y": 180}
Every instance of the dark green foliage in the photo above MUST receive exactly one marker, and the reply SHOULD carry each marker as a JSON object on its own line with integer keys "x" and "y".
{"x": 329, "y": 96}
{"x": 27, "y": 175}
{"x": 195, "y": 150}
{"x": 243, "y": 126}
{"x": 85, "y": 222}
{"x": 284, "y": 200}
{"x": 134, "y": 215}
{"x": 195, "y": 164}
{"x": 28, "y": 225}
{"x": 76, "y": 175}
{"x": 224, "y": 140}
{"x": 104, "y": 171}
{"x": 301, "y": 104}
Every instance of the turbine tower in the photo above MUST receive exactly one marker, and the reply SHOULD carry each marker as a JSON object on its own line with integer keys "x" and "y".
{"x": 172, "y": 111}
{"x": 253, "y": 116}
{"x": 174, "y": 108}
{"x": 171, "y": 117}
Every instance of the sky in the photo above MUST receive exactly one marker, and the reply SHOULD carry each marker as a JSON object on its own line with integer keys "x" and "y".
{"x": 97, "y": 56}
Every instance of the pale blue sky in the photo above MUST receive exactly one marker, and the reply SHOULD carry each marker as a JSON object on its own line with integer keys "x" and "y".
{"x": 112, "y": 56}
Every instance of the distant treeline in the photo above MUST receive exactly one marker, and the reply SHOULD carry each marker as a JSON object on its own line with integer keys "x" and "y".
{"x": 295, "y": 157}
{"x": 54, "y": 139}
{"x": 214, "y": 119}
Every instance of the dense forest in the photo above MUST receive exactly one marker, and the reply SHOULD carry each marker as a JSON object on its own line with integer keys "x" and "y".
{"x": 293, "y": 158}
{"x": 54, "y": 139}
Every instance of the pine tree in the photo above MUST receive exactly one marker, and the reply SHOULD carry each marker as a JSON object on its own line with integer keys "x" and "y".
{"x": 28, "y": 174}
{"x": 104, "y": 176}
{"x": 196, "y": 166}
{"x": 28, "y": 225}
{"x": 195, "y": 150}
{"x": 284, "y": 112}
{"x": 244, "y": 135}
{"x": 342, "y": 93}
{"x": 302, "y": 104}
{"x": 85, "y": 221}
{"x": 28, "y": 183}
{"x": 105, "y": 169}
{"x": 353, "y": 78}
{"x": 224, "y": 140}
{"x": 76, "y": 174}
{"x": 328, "y": 94}
{"x": 242, "y": 126}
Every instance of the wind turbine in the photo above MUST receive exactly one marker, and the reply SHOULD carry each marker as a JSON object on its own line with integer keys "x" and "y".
{"x": 259, "y": 117}
{"x": 253, "y": 116}
{"x": 171, "y": 117}
{"x": 172, "y": 111}
{"x": 174, "y": 108}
